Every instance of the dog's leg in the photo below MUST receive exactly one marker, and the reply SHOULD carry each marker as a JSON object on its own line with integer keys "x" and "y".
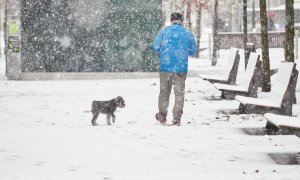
{"x": 113, "y": 118}
{"x": 108, "y": 119}
{"x": 95, "y": 116}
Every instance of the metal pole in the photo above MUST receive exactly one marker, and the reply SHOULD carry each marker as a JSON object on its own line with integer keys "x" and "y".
{"x": 209, "y": 46}
{"x": 1, "y": 31}
{"x": 296, "y": 43}
{"x": 215, "y": 33}
{"x": 290, "y": 31}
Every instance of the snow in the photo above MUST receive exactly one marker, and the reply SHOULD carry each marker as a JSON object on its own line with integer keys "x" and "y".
{"x": 267, "y": 102}
{"x": 212, "y": 77}
{"x": 89, "y": 15}
{"x": 237, "y": 87}
{"x": 46, "y": 133}
{"x": 65, "y": 41}
{"x": 280, "y": 120}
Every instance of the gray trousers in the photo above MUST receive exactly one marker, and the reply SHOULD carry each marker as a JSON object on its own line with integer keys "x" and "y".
{"x": 167, "y": 80}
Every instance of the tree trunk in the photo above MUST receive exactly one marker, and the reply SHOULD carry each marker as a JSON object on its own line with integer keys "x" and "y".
{"x": 163, "y": 12}
{"x": 230, "y": 7}
{"x": 245, "y": 29}
{"x": 215, "y": 32}
{"x": 236, "y": 25}
{"x": 188, "y": 14}
{"x": 198, "y": 25}
{"x": 172, "y": 6}
{"x": 290, "y": 31}
{"x": 266, "y": 81}
{"x": 181, "y": 7}
{"x": 253, "y": 15}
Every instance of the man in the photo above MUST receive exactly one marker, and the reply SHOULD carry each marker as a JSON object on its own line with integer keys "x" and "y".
{"x": 174, "y": 43}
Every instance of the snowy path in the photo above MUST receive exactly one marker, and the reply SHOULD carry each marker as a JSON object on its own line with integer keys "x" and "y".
{"x": 45, "y": 133}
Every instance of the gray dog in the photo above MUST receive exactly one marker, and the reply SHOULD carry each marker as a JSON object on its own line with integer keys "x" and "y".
{"x": 108, "y": 108}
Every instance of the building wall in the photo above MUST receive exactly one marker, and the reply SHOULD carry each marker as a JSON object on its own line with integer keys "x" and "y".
{"x": 13, "y": 40}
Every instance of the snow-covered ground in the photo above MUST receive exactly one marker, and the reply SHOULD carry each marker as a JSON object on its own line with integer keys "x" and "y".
{"x": 46, "y": 133}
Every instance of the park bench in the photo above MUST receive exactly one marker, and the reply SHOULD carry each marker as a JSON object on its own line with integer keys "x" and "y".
{"x": 249, "y": 82}
{"x": 228, "y": 74}
{"x": 280, "y": 99}
{"x": 285, "y": 125}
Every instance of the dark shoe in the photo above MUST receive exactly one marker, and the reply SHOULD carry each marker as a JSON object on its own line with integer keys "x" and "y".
{"x": 161, "y": 118}
{"x": 176, "y": 122}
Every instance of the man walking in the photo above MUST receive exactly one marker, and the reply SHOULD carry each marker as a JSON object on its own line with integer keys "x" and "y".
{"x": 174, "y": 43}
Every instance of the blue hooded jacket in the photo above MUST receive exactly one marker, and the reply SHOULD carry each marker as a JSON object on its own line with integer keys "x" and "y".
{"x": 174, "y": 43}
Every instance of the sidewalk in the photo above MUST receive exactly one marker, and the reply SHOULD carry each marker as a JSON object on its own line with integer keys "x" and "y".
{"x": 2, "y": 69}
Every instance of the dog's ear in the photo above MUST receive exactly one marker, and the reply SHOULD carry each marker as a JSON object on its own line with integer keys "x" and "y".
{"x": 118, "y": 99}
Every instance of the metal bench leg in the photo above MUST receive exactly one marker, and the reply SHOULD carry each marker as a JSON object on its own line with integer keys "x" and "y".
{"x": 271, "y": 129}
{"x": 242, "y": 109}
{"x": 222, "y": 95}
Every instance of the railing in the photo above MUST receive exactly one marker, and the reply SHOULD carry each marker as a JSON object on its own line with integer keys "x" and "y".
{"x": 227, "y": 40}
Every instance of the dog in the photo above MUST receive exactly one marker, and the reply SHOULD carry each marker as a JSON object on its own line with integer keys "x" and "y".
{"x": 108, "y": 108}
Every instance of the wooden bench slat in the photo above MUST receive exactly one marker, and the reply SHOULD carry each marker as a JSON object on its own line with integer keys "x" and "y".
{"x": 280, "y": 99}
{"x": 229, "y": 73}
{"x": 249, "y": 83}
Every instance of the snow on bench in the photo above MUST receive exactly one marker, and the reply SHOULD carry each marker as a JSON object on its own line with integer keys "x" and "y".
{"x": 280, "y": 99}
{"x": 228, "y": 74}
{"x": 278, "y": 124}
{"x": 249, "y": 83}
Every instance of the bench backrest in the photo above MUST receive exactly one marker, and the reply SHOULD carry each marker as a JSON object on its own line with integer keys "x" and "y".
{"x": 232, "y": 64}
{"x": 283, "y": 82}
{"x": 250, "y": 71}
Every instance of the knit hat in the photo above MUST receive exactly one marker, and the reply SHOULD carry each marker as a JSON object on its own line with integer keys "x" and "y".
{"x": 176, "y": 16}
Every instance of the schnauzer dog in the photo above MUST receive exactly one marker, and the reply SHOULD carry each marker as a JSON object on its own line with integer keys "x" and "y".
{"x": 108, "y": 108}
